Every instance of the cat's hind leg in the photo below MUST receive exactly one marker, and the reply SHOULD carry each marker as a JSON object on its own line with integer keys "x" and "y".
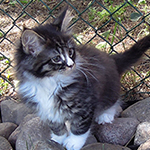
{"x": 79, "y": 131}
{"x": 58, "y": 138}
{"x": 59, "y": 132}
{"x": 107, "y": 116}
{"x": 75, "y": 142}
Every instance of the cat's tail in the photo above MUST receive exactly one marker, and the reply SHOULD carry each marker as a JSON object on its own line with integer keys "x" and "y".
{"x": 126, "y": 59}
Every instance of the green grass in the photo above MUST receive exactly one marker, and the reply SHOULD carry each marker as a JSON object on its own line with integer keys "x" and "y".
{"x": 1, "y": 34}
{"x": 100, "y": 17}
{"x": 14, "y": 2}
{"x": 3, "y": 86}
{"x": 5, "y": 76}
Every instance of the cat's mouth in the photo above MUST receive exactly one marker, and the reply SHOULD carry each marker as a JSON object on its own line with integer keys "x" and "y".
{"x": 67, "y": 69}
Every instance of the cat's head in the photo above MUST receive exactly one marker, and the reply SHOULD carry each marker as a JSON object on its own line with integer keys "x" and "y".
{"x": 48, "y": 49}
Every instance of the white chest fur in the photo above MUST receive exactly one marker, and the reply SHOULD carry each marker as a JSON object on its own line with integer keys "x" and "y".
{"x": 43, "y": 93}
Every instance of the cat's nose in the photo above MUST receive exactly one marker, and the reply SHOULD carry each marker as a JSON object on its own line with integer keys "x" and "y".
{"x": 70, "y": 62}
{"x": 70, "y": 66}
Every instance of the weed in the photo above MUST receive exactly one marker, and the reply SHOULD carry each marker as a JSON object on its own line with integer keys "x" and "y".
{"x": 14, "y": 2}
{"x": 24, "y": 1}
{"x": 3, "y": 86}
{"x": 5, "y": 75}
{"x": 99, "y": 17}
{"x": 142, "y": 2}
{"x": 1, "y": 35}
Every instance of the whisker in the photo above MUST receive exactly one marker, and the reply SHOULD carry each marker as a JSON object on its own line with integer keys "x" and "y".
{"x": 88, "y": 71}
{"x": 89, "y": 64}
{"x": 84, "y": 74}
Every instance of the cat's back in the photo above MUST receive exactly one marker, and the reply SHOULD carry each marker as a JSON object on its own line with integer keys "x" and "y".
{"x": 100, "y": 59}
{"x": 102, "y": 72}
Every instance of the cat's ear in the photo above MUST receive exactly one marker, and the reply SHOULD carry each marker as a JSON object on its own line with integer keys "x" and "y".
{"x": 62, "y": 22}
{"x": 32, "y": 42}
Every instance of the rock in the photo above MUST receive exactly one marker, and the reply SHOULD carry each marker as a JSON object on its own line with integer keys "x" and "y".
{"x": 139, "y": 110}
{"x": 7, "y": 128}
{"x": 32, "y": 131}
{"x": 41, "y": 145}
{"x": 118, "y": 111}
{"x": 4, "y": 144}
{"x": 142, "y": 133}
{"x": 119, "y": 132}
{"x": 13, "y": 137}
{"x": 145, "y": 146}
{"x": 12, "y": 111}
{"x": 90, "y": 140}
{"x": 3, "y": 98}
{"x": 104, "y": 146}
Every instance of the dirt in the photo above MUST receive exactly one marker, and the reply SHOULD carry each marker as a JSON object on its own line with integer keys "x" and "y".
{"x": 14, "y": 16}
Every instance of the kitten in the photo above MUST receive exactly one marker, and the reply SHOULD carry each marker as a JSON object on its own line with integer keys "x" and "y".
{"x": 70, "y": 86}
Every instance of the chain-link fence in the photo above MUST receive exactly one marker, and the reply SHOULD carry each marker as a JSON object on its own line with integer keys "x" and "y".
{"x": 112, "y": 26}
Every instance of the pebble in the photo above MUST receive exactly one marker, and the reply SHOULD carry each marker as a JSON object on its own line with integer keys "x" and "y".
{"x": 139, "y": 110}
{"x": 7, "y": 128}
{"x": 119, "y": 132}
{"x": 4, "y": 144}
{"x": 25, "y": 130}
{"x": 142, "y": 133}
{"x": 11, "y": 111}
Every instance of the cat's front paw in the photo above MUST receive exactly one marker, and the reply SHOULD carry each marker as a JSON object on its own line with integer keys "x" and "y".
{"x": 75, "y": 142}
{"x": 105, "y": 118}
{"x": 108, "y": 115}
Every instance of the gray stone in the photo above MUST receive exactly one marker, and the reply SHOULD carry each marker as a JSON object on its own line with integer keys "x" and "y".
{"x": 104, "y": 146}
{"x": 25, "y": 129}
{"x": 142, "y": 133}
{"x": 4, "y": 144}
{"x": 119, "y": 132}
{"x": 32, "y": 131}
{"x": 13, "y": 137}
{"x": 139, "y": 110}
{"x": 2, "y": 98}
{"x": 90, "y": 140}
{"x": 41, "y": 145}
{"x": 118, "y": 111}
{"x": 7, "y": 128}
{"x": 12, "y": 111}
{"x": 145, "y": 146}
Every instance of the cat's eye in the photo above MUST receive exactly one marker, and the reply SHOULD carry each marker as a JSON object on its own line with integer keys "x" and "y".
{"x": 56, "y": 59}
{"x": 71, "y": 52}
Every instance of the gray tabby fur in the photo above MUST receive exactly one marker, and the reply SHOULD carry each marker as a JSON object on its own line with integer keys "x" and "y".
{"x": 70, "y": 86}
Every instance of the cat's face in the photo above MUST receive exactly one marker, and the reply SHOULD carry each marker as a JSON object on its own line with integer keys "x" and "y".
{"x": 48, "y": 55}
{"x": 48, "y": 49}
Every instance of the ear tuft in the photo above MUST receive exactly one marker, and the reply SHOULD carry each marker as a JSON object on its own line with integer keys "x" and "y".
{"x": 67, "y": 19}
{"x": 32, "y": 42}
{"x": 62, "y": 22}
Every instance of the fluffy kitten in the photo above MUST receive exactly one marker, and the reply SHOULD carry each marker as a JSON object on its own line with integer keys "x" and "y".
{"x": 71, "y": 86}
